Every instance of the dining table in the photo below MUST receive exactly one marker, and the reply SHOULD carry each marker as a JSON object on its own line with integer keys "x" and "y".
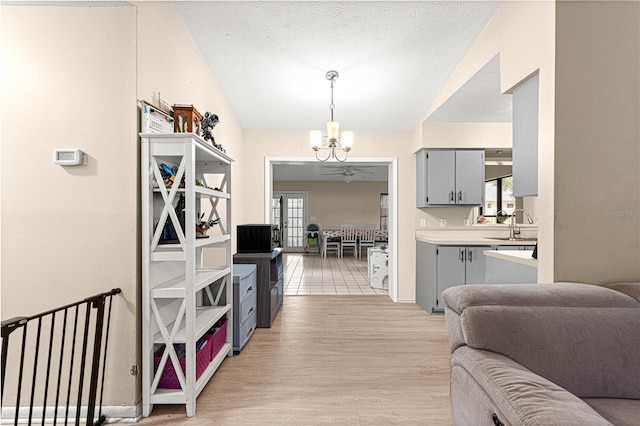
{"x": 380, "y": 234}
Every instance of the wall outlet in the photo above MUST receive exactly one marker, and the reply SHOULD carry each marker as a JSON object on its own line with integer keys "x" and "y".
{"x": 423, "y": 223}
{"x": 443, "y": 222}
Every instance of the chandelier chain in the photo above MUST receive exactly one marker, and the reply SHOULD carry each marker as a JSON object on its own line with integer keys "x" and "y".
{"x": 332, "y": 105}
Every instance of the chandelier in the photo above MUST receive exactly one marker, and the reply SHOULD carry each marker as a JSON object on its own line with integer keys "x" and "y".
{"x": 332, "y": 141}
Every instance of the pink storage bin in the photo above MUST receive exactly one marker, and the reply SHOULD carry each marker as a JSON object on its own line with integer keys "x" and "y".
{"x": 219, "y": 338}
{"x": 213, "y": 344}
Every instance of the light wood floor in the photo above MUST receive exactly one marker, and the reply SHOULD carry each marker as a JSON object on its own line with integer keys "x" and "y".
{"x": 352, "y": 360}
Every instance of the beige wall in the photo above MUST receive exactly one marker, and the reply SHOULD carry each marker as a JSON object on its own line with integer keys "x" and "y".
{"x": 71, "y": 232}
{"x": 335, "y": 203}
{"x": 179, "y": 72}
{"x": 523, "y": 34}
{"x": 597, "y": 142}
{"x": 261, "y": 144}
{"x": 67, "y": 233}
{"x": 466, "y": 135}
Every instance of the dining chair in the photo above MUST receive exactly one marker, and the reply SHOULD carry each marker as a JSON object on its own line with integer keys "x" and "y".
{"x": 328, "y": 243}
{"x": 349, "y": 239}
{"x": 367, "y": 237}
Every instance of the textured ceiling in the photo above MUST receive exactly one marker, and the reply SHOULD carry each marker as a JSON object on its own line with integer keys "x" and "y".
{"x": 270, "y": 58}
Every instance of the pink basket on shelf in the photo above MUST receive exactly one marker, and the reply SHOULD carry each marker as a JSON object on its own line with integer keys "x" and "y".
{"x": 169, "y": 379}
{"x": 218, "y": 338}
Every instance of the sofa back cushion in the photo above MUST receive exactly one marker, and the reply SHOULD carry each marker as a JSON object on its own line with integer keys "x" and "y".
{"x": 584, "y": 338}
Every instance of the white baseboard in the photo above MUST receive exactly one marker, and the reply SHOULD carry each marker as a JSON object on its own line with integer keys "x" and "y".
{"x": 114, "y": 414}
{"x": 406, "y": 300}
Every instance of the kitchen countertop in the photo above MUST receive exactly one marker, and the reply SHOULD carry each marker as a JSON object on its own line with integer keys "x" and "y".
{"x": 477, "y": 236}
{"x": 471, "y": 240}
{"x": 518, "y": 256}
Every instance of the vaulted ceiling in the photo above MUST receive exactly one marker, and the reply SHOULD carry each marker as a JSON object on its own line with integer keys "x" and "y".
{"x": 270, "y": 59}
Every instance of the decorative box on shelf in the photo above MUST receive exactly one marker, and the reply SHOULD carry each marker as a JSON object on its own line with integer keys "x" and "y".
{"x": 187, "y": 119}
{"x": 154, "y": 120}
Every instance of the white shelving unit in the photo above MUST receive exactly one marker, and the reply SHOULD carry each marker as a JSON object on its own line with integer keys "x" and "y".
{"x": 182, "y": 299}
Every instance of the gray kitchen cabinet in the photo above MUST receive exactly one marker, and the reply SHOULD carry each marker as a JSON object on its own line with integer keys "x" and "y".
{"x": 475, "y": 264}
{"x": 439, "y": 267}
{"x": 525, "y": 138}
{"x": 499, "y": 271}
{"x": 450, "y": 269}
{"x": 448, "y": 177}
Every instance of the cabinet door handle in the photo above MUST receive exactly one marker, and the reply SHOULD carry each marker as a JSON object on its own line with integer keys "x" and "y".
{"x": 250, "y": 310}
{"x": 249, "y": 332}
{"x": 460, "y": 196}
{"x": 462, "y": 255}
{"x": 470, "y": 256}
{"x": 451, "y": 196}
{"x": 249, "y": 289}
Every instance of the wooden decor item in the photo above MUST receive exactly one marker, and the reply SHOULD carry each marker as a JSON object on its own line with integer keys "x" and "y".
{"x": 186, "y": 119}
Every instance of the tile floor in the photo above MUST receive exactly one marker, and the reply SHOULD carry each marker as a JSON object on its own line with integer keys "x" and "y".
{"x": 313, "y": 274}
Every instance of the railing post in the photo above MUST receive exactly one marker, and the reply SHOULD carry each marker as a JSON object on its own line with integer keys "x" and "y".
{"x": 8, "y": 327}
{"x": 96, "y": 303}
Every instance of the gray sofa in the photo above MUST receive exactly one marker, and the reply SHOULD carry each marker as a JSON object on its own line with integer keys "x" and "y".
{"x": 544, "y": 354}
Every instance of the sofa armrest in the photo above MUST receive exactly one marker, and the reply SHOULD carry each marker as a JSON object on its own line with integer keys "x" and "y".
{"x": 582, "y": 337}
{"x": 484, "y": 383}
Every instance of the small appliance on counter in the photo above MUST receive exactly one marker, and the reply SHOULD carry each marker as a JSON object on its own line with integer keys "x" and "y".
{"x": 259, "y": 238}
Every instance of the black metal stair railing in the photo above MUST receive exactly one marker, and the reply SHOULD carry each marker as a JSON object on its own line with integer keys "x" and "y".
{"x": 60, "y": 371}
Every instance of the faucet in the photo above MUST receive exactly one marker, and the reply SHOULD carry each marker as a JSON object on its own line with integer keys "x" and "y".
{"x": 513, "y": 230}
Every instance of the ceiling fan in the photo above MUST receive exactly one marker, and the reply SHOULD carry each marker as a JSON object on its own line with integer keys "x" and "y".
{"x": 348, "y": 173}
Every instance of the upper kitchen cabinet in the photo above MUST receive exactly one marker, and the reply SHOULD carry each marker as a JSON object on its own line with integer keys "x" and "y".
{"x": 450, "y": 177}
{"x": 525, "y": 138}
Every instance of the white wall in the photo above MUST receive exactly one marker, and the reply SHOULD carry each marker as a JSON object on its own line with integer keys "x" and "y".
{"x": 73, "y": 79}
{"x": 259, "y": 144}
{"x": 71, "y": 232}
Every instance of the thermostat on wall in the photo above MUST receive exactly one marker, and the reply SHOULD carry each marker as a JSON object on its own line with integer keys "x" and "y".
{"x": 68, "y": 157}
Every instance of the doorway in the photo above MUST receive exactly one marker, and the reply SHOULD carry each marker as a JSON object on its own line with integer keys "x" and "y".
{"x": 290, "y": 210}
{"x": 391, "y": 165}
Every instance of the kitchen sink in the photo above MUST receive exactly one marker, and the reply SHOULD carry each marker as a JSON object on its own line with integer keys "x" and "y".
{"x": 523, "y": 240}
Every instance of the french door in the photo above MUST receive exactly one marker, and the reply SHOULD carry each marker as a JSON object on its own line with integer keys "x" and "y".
{"x": 289, "y": 210}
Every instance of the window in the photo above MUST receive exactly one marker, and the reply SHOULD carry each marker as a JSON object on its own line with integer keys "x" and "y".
{"x": 384, "y": 211}
{"x": 498, "y": 195}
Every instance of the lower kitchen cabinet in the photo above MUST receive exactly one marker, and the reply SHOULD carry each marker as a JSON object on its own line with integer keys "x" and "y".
{"x": 439, "y": 267}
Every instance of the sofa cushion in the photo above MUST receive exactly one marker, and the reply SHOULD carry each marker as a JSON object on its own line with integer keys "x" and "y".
{"x": 557, "y": 294}
{"x": 620, "y": 412}
{"x": 483, "y": 383}
{"x": 582, "y": 337}
{"x": 630, "y": 289}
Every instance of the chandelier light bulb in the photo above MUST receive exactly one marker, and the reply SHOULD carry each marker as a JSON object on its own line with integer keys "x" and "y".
{"x": 316, "y": 139}
{"x": 332, "y": 129}
{"x": 347, "y": 140}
